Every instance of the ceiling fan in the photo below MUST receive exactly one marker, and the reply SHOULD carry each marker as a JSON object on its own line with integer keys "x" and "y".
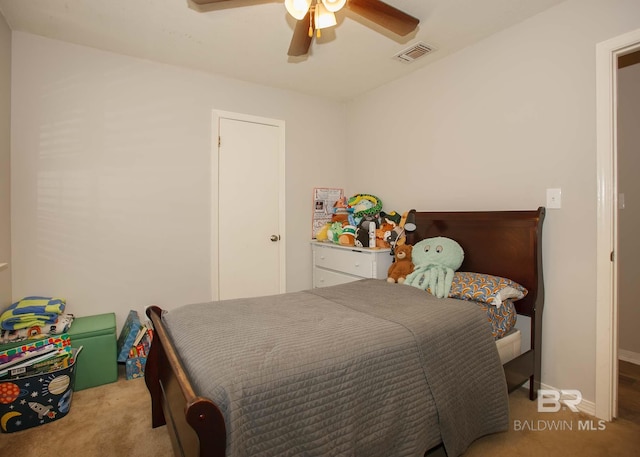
{"x": 314, "y": 15}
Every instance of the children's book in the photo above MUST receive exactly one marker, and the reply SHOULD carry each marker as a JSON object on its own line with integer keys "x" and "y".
{"x": 44, "y": 363}
{"x": 28, "y": 356}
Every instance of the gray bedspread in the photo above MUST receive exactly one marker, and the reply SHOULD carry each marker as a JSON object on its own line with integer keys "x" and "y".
{"x": 367, "y": 369}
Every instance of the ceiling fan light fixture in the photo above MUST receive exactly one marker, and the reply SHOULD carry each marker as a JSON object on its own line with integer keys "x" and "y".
{"x": 334, "y": 5}
{"x": 323, "y": 17}
{"x": 297, "y": 8}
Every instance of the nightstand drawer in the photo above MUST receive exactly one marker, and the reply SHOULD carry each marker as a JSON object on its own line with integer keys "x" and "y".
{"x": 346, "y": 261}
{"x": 334, "y": 264}
{"x": 325, "y": 278}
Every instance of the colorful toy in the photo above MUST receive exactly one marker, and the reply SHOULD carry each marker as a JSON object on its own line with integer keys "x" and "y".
{"x": 341, "y": 211}
{"x": 334, "y": 231}
{"x": 322, "y": 233}
{"x": 392, "y": 217}
{"x": 365, "y": 205}
{"x": 383, "y": 235}
{"x": 341, "y": 214}
{"x": 435, "y": 260}
{"x": 402, "y": 265}
{"x": 348, "y": 236}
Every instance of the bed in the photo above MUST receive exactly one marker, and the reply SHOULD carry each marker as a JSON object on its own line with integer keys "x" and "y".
{"x": 426, "y": 378}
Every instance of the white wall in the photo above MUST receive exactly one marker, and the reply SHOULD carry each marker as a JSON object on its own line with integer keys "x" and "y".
{"x": 5, "y": 162}
{"x": 111, "y": 163}
{"x": 491, "y": 128}
{"x": 629, "y": 217}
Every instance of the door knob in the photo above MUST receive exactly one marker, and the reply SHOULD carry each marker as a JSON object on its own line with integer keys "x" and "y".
{"x": 274, "y": 238}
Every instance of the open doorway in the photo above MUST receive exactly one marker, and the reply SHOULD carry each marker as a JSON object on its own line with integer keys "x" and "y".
{"x": 607, "y": 250}
{"x": 628, "y": 211}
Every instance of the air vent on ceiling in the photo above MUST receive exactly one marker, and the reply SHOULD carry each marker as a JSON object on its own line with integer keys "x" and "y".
{"x": 414, "y": 52}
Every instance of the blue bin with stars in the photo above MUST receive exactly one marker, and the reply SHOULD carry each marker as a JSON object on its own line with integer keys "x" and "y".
{"x": 36, "y": 399}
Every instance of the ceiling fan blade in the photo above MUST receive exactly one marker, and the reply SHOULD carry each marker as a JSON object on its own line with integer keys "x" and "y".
{"x": 206, "y": 2}
{"x": 385, "y": 15}
{"x": 300, "y": 41}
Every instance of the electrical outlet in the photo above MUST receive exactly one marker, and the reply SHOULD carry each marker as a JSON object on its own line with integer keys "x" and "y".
{"x": 554, "y": 198}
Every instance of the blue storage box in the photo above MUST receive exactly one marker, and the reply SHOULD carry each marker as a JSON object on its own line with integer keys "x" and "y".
{"x": 36, "y": 399}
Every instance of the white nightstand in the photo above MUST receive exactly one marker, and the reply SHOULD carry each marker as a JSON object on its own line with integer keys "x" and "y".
{"x": 334, "y": 264}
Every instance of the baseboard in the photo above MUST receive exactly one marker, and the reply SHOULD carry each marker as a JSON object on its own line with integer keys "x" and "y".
{"x": 629, "y": 356}
{"x": 585, "y": 406}
{"x": 589, "y": 407}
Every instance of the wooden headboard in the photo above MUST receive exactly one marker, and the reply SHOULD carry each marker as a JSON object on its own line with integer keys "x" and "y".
{"x": 502, "y": 243}
{"x": 507, "y": 244}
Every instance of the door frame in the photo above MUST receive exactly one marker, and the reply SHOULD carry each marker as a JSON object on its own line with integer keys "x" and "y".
{"x": 215, "y": 239}
{"x": 607, "y": 53}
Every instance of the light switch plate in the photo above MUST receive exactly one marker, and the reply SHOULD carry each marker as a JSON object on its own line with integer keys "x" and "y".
{"x": 554, "y": 198}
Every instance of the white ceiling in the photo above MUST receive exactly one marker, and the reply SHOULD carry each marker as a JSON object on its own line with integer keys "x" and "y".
{"x": 249, "y": 41}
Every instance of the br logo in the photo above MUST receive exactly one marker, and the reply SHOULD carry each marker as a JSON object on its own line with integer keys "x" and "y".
{"x": 550, "y": 401}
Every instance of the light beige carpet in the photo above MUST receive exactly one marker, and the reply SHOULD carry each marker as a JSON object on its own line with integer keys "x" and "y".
{"x": 531, "y": 434}
{"x": 109, "y": 420}
{"x": 114, "y": 420}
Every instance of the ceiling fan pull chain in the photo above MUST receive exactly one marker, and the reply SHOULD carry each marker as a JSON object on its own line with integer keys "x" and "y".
{"x": 314, "y": 18}
{"x": 311, "y": 23}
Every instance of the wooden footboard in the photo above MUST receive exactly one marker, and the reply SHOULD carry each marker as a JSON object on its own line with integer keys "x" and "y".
{"x": 195, "y": 424}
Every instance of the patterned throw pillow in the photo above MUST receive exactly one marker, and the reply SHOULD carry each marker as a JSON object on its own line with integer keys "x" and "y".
{"x": 485, "y": 288}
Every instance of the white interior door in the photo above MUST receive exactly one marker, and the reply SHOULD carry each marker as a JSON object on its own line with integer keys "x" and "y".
{"x": 250, "y": 207}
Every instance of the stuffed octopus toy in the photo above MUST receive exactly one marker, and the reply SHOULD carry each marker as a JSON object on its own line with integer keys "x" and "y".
{"x": 435, "y": 260}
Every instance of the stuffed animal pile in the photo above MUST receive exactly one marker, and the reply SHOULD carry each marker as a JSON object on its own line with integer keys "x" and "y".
{"x": 353, "y": 219}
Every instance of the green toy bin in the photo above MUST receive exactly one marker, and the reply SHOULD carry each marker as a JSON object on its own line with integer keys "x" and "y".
{"x": 97, "y": 336}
